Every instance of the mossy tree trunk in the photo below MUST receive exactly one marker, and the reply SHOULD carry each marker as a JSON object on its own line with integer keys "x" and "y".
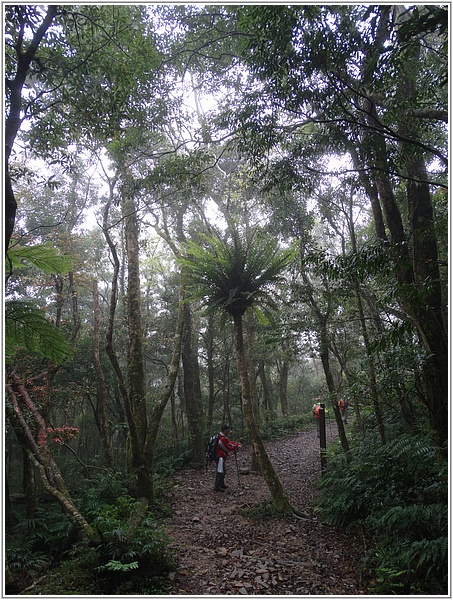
{"x": 324, "y": 354}
{"x": 415, "y": 250}
{"x": 267, "y": 395}
{"x": 192, "y": 388}
{"x": 101, "y": 393}
{"x": 139, "y": 472}
{"x": 209, "y": 341}
{"x": 279, "y": 497}
{"x": 426, "y": 306}
{"x": 283, "y": 370}
{"x": 166, "y": 393}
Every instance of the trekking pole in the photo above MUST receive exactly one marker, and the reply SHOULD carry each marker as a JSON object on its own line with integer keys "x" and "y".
{"x": 237, "y": 466}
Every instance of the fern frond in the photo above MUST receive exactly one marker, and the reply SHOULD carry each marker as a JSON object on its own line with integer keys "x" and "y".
{"x": 236, "y": 273}
{"x": 26, "y": 327}
{"x": 44, "y": 257}
{"x": 116, "y": 565}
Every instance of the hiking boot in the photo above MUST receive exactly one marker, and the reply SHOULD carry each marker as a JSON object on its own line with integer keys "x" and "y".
{"x": 218, "y": 482}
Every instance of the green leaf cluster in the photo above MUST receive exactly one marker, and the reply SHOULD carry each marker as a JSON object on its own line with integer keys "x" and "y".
{"x": 116, "y": 565}
{"x": 131, "y": 539}
{"x": 398, "y": 493}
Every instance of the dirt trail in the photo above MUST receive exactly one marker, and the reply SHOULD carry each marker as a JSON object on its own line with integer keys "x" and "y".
{"x": 221, "y": 552}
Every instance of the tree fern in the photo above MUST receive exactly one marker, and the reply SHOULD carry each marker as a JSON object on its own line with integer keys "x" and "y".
{"x": 237, "y": 272}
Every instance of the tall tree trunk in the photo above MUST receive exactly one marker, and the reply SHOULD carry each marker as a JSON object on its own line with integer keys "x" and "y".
{"x": 159, "y": 407}
{"x": 250, "y": 368}
{"x": 407, "y": 411}
{"x": 140, "y": 475}
{"x": 174, "y": 422}
{"x": 324, "y": 353}
{"x": 267, "y": 396}
{"x": 226, "y": 389}
{"x": 210, "y": 368}
{"x": 101, "y": 393}
{"x": 192, "y": 389}
{"x": 366, "y": 338}
{"x": 136, "y": 369}
{"x": 426, "y": 307}
{"x": 279, "y": 498}
{"x": 109, "y": 339}
{"x": 283, "y": 371}
{"x": 324, "y": 345}
{"x": 421, "y": 270}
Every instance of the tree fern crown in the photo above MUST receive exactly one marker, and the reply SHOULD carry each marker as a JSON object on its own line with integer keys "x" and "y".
{"x": 236, "y": 272}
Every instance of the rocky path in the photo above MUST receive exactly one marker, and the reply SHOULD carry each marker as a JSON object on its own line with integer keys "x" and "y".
{"x": 221, "y": 552}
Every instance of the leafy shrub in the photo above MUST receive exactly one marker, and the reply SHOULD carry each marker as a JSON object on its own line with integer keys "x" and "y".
{"x": 102, "y": 489}
{"x": 169, "y": 459}
{"x": 398, "y": 493}
{"x": 131, "y": 556}
{"x": 38, "y": 544}
{"x": 133, "y": 547}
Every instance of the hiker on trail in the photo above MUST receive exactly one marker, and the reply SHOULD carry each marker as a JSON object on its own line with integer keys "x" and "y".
{"x": 224, "y": 446}
{"x": 316, "y": 409}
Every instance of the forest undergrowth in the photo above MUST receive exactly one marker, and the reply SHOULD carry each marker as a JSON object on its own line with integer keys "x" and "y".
{"x": 373, "y": 524}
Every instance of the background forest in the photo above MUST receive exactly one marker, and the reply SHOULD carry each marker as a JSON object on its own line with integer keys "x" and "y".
{"x": 219, "y": 214}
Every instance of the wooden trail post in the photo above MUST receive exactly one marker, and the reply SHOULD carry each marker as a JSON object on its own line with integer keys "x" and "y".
{"x": 322, "y": 436}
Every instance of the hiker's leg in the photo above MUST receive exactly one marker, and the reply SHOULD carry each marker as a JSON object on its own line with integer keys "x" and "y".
{"x": 222, "y": 485}
{"x": 219, "y": 475}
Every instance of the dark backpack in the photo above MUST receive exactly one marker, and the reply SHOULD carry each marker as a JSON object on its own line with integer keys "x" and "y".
{"x": 211, "y": 449}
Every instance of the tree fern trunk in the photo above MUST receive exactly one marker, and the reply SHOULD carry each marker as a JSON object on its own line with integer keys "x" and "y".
{"x": 279, "y": 498}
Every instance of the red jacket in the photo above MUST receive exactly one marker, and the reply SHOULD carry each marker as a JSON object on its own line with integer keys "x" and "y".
{"x": 224, "y": 446}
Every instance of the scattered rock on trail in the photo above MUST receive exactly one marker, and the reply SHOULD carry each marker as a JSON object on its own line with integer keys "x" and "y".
{"x": 222, "y": 552}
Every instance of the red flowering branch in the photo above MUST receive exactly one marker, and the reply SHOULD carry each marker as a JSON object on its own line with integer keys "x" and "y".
{"x": 61, "y": 435}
